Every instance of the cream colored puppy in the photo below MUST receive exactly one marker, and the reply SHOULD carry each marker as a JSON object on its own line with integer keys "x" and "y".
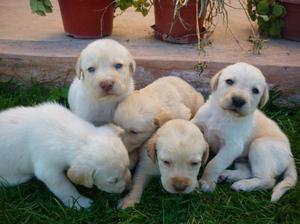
{"x": 234, "y": 128}
{"x": 176, "y": 152}
{"x": 103, "y": 78}
{"x": 141, "y": 113}
{"x": 46, "y": 140}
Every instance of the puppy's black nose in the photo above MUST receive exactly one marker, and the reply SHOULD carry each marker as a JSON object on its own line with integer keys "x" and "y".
{"x": 179, "y": 187}
{"x": 238, "y": 101}
{"x": 106, "y": 85}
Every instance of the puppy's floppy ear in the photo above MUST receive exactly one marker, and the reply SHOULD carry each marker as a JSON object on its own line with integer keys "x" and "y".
{"x": 82, "y": 175}
{"x": 215, "y": 80}
{"x": 162, "y": 118}
{"x": 132, "y": 67}
{"x": 265, "y": 96}
{"x": 79, "y": 72}
{"x": 205, "y": 155}
{"x": 132, "y": 64}
{"x": 151, "y": 147}
{"x": 116, "y": 129}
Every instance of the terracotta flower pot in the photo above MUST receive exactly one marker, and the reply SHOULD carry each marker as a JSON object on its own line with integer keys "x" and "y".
{"x": 87, "y": 18}
{"x": 179, "y": 29}
{"x": 291, "y": 28}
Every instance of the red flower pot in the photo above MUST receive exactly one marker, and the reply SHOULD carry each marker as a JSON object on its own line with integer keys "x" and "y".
{"x": 291, "y": 28}
{"x": 179, "y": 29}
{"x": 87, "y": 18}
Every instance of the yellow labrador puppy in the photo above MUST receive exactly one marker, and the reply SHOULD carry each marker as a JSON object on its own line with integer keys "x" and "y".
{"x": 103, "y": 78}
{"x": 175, "y": 152}
{"x": 234, "y": 129}
{"x": 46, "y": 140}
{"x": 141, "y": 113}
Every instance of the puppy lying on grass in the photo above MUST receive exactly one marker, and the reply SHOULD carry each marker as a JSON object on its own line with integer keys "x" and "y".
{"x": 103, "y": 78}
{"x": 234, "y": 128}
{"x": 176, "y": 152}
{"x": 141, "y": 113}
{"x": 46, "y": 140}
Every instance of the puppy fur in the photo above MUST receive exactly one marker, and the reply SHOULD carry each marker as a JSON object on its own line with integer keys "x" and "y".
{"x": 234, "y": 129}
{"x": 103, "y": 78}
{"x": 141, "y": 113}
{"x": 175, "y": 152}
{"x": 46, "y": 140}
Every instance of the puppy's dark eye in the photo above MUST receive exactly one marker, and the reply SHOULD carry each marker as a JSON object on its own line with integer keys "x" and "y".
{"x": 91, "y": 69}
{"x": 133, "y": 132}
{"x": 229, "y": 82}
{"x": 118, "y": 66}
{"x": 194, "y": 163}
{"x": 255, "y": 91}
{"x": 167, "y": 162}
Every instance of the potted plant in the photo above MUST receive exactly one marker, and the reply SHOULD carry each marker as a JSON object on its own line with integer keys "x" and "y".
{"x": 176, "y": 21}
{"x": 291, "y": 28}
{"x": 181, "y": 21}
{"x": 83, "y": 19}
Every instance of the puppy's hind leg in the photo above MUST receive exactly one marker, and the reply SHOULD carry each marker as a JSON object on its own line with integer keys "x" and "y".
{"x": 61, "y": 187}
{"x": 241, "y": 171}
{"x": 267, "y": 160}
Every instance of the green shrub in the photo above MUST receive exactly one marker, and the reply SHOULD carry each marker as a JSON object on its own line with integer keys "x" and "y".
{"x": 268, "y": 14}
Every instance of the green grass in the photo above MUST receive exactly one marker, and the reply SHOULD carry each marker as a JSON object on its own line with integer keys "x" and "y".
{"x": 33, "y": 203}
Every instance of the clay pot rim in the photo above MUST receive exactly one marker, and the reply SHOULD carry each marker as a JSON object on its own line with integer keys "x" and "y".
{"x": 297, "y": 2}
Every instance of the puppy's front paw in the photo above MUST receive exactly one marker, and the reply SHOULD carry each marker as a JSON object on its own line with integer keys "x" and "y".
{"x": 81, "y": 202}
{"x": 225, "y": 176}
{"x": 85, "y": 202}
{"x": 240, "y": 186}
{"x": 207, "y": 186}
{"x": 127, "y": 202}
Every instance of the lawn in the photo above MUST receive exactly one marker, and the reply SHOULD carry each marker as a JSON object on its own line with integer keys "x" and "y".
{"x": 33, "y": 203}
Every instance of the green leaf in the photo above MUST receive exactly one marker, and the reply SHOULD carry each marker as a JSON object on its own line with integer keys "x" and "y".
{"x": 41, "y": 6}
{"x": 252, "y": 17}
{"x": 40, "y": 13}
{"x": 124, "y": 4}
{"x": 275, "y": 29}
{"x": 278, "y": 10}
{"x": 265, "y": 17}
{"x": 33, "y": 5}
{"x": 48, "y": 3}
{"x": 48, "y": 9}
{"x": 263, "y": 7}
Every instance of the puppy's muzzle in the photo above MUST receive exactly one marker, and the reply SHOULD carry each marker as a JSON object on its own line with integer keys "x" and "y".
{"x": 180, "y": 184}
{"x": 237, "y": 101}
{"x": 106, "y": 85}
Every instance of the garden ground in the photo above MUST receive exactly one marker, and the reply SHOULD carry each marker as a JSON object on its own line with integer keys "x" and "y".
{"x": 33, "y": 203}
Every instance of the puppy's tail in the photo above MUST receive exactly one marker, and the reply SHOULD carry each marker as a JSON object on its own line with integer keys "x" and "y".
{"x": 288, "y": 182}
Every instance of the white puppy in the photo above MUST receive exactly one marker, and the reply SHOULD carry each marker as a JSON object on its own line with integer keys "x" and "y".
{"x": 141, "y": 113}
{"x": 104, "y": 77}
{"x": 176, "y": 152}
{"x": 47, "y": 140}
{"x": 234, "y": 128}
